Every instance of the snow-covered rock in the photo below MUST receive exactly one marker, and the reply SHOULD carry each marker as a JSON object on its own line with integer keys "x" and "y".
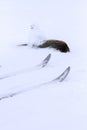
{"x": 36, "y": 36}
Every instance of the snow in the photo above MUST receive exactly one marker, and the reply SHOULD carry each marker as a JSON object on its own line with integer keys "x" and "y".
{"x": 57, "y": 106}
{"x": 36, "y": 36}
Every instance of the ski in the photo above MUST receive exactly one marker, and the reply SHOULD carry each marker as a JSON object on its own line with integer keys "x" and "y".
{"x": 44, "y": 62}
{"x": 41, "y": 65}
{"x": 63, "y": 75}
{"x": 60, "y": 78}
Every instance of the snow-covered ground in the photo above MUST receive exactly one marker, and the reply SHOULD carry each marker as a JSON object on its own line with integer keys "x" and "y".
{"x": 57, "y": 106}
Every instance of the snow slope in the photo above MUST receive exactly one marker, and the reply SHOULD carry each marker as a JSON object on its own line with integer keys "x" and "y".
{"x": 56, "y": 106}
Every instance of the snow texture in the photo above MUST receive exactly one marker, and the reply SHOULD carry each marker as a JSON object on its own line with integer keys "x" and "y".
{"x": 57, "y": 106}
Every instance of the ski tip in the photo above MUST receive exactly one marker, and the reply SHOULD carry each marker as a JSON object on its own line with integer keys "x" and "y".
{"x": 63, "y": 75}
{"x": 68, "y": 68}
{"x": 49, "y": 56}
{"x": 46, "y": 60}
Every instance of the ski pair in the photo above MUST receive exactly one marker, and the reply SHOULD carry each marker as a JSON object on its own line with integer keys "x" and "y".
{"x": 60, "y": 78}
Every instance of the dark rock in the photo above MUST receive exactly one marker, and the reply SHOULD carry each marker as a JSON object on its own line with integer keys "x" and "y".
{"x": 56, "y": 44}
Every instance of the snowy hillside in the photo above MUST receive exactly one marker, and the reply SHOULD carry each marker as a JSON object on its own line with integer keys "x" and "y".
{"x": 54, "y": 106}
